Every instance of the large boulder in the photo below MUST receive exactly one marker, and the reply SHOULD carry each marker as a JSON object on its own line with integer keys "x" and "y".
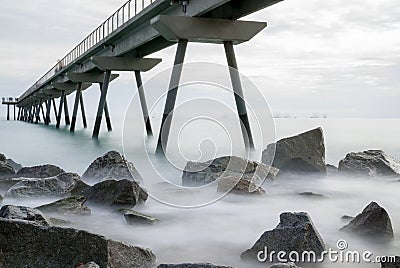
{"x": 44, "y": 171}
{"x": 116, "y": 192}
{"x": 78, "y": 188}
{"x": 295, "y": 233}
{"x": 26, "y": 245}
{"x": 203, "y": 173}
{"x": 240, "y": 186}
{"x": 391, "y": 262}
{"x": 373, "y": 222}
{"x": 303, "y": 153}
{"x": 53, "y": 186}
{"x": 71, "y": 206}
{"x": 113, "y": 165}
{"x": 31, "y": 215}
{"x": 370, "y": 163}
{"x": 6, "y": 170}
{"x": 192, "y": 265}
{"x": 14, "y": 164}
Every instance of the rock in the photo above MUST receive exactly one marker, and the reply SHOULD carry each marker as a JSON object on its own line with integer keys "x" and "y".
{"x": 370, "y": 163}
{"x": 88, "y": 265}
{"x": 25, "y": 245}
{"x": 31, "y": 215}
{"x": 116, "y": 192}
{"x": 71, "y": 205}
{"x": 198, "y": 174}
{"x": 285, "y": 265}
{"x": 41, "y": 172}
{"x": 79, "y": 187}
{"x": 192, "y": 265}
{"x": 391, "y": 263}
{"x": 303, "y": 153}
{"x": 331, "y": 169}
{"x": 13, "y": 164}
{"x": 373, "y": 222}
{"x": 2, "y": 157}
{"x": 236, "y": 185}
{"x": 112, "y": 164}
{"x": 312, "y": 195}
{"x": 1, "y": 199}
{"x": 133, "y": 218}
{"x": 59, "y": 222}
{"x": 347, "y": 218}
{"x": 6, "y": 171}
{"x": 53, "y": 186}
{"x": 7, "y": 183}
{"x": 295, "y": 232}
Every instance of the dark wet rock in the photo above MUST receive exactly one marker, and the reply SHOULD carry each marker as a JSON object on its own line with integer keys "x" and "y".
{"x": 88, "y": 265}
{"x": 236, "y": 185}
{"x": 53, "y": 186}
{"x": 79, "y": 187}
{"x": 198, "y": 174}
{"x": 59, "y": 222}
{"x": 13, "y": 164}
{"x": 295, "y": 232}
{"x": 21, "y": 213}
{"x": 112, "y": 164}
{"x": 285, "y": 265}
{"x": 390, "y": 263}
{"x": 303, "y": 153}
{"x": 312, "y": 195}
{"x": 370, "y": 163}
{"x": 71, "y": 205}
{"x": 373, "y": 222}
{"x": 6, "y": 171}
{"x": 1, "y": 199}
{"x": 45, "y": 171}
{"x": 50, "y": 246}
{"x": 116, "y": 192}
{"x": 2, "y": 157}
{"x": 192, "y": 265}
{"x": 135, "y": 218}
{"x": 347, "y": 218}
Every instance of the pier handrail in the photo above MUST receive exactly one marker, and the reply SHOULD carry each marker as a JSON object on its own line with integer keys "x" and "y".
{"x": 127, "y": 11}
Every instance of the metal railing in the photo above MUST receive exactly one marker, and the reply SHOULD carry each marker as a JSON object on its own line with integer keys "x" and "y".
{"x": 115, "y": 21}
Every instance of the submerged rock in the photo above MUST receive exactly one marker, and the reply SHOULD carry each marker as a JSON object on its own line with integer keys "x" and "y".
{"x": 116, "y": 192}
{"x": 198, "y": 174}
{"x": 347, "y": 218}
{"x": 331, "y": 169}
{"x": 312, "y": 195}
{"x": 71, "y": 205}
{"x": 373, "y": 222}
{"x": 59, "y": 222}
{"x": 370, "y": 163}
{"x": 295, "y": 232}
{"x": 133, "y": 218}
{"x": 389, "y": 263}
{"x": 50, "y": 246}
{"x": 237, "y": 185}
{"x": 45, "y": 171}
{"x": 302, "y": 153}
{"x": 30, "y": 215}
{"x": 112, "y": 164}
{"x": 192, "y": 265}
{"x": 53, "y": 186}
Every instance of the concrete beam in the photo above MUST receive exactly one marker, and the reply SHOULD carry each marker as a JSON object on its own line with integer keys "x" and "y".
{"x": 69, "y": 87}
{"x": 193, "y": 29}
{"x": 125, "y": 63}
{"x": 89, "y": 77}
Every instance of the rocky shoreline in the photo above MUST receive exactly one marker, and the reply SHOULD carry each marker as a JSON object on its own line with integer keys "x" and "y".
{"x": 40, "y": 237}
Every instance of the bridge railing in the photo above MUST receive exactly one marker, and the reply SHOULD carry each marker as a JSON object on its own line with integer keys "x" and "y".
{"x": 116, "y": 20}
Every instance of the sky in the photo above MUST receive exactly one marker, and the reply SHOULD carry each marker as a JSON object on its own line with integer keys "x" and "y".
{"x": 337, "y": 58}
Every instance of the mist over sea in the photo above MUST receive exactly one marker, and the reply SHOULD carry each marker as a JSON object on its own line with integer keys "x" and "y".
{"x": 219, "y": 232}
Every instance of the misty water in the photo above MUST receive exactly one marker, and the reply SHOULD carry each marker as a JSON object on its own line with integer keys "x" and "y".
{"x": 220, "y": 231}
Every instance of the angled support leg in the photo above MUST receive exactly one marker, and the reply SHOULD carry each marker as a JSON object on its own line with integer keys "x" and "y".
{"x": 239, "y": 97}
{"x": 171, "y": 97}
{"x": 37, "y": 113}
{"x": 102, "y": 102}
{"x": 60, "y": 107}
{"x": 55, "y": 108}
{"x": 8, "y": 112}
{"x": 106, "y": 113}
{"x": 14, "y": 114}
{"x": 83, "y": 111}
{"x": 41, "y": 107}
{"x": 47, "y": 122}
{"x": 66, "y": 112}
{"x": 19, "y": 114}
{"x": 143, "y": 103}
{"x": 76, "y": 104}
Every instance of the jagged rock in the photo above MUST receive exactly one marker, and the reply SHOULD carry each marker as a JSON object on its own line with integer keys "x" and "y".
{"x": 59, "y": 222}
{"x": 373, "y": 222}
{"x": 391, "y": 263}
{"x": 295, "y": 232}
{"x": 285, "y": 265}
{"x": 45, "y": 171}
{"x": 312, "y": 195}
{"x": 88, "y": 265}
{"x": 2, "y": 157}
{"x": 79, "y": 187}
{"x": 112, "y": 164}
{"x": 31, "y": 215}
{"x": 71, "y": 205}
{"x": 25, "y": 245}
{"x": 13, "y": 164}
{"x": 6, "y": 170}
{"x": 198, "y": 174}
{"x": 302, "y": 153}
{"x": 370, "y": 163}
{"x": 116, "y": 192}
{"x": 53, "y": 186}
{"x": 192, "y": 265}
{"x": 236, "y": 185}
{"x": 133, "y": 218}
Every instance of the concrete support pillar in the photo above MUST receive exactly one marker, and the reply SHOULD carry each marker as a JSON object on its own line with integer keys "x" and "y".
{"x": 19, "y": 113}
{"x": 47, "y": 121}
{"x": 83, "y": 111}
{"x": 106, "y": 112}
{"x": 66, "y": 112}
{"x": 171, "y": 97}
{"x": 8, "y": 112}
{"x": 143, "y": 103}
{"x": 37, "y": 112}
{"x": 239, "y": 97}
{"x": 102, "y": 102}
{"x": 41, "y": 108}
{"x": 76, "y": 104}
{"x": 60, "y": 108}
{"x": 55, "y": 108}
{"x": 14, "y": 114}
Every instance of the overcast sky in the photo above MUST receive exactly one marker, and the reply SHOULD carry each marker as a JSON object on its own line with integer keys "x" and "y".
{"x": 336, "y": 57}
